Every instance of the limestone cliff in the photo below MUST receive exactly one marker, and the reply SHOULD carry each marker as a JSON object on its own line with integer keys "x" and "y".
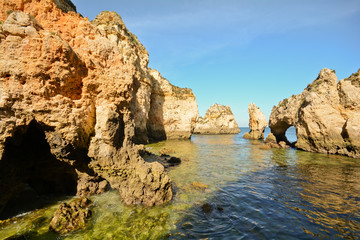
{"x": 326, "y": 115}
{"x": 218, "y": 119}
{"x": 173, "y": 112}
{"x": 161, "y": 110}
{"x": 257, "y": 123}
{"x": 68, "y": 92}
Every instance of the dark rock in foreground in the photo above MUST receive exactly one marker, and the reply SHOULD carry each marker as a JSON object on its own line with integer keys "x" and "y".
{"x": 71, "y": 216}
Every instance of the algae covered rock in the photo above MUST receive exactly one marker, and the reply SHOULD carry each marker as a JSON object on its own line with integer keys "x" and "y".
{"x": 71, "y": 216}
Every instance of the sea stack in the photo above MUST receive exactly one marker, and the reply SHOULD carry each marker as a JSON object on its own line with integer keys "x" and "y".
{"x": 257, "y": 123}
{"x": 218, "y": 119}
{"x": 326, "y": 115}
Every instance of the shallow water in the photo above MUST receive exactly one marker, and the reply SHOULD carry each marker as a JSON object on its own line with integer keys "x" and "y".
{"x": 252, "y": 193}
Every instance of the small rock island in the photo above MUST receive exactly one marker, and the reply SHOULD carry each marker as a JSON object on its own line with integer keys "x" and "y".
{"x": 218, "y": 119}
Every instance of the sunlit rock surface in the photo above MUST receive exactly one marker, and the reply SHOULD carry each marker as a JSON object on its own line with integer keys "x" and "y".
{"x": 69, "y": 90}
{"x": 257, "y": 123}
{"x": 326, "y": 115}
{"x": 218, "y": 119}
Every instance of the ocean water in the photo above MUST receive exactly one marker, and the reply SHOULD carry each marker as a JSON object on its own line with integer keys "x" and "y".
{"x": 252, "y": 194}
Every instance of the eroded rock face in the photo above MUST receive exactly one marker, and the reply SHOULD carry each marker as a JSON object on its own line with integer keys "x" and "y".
{"x": 326, "y": 115}
{"x": 173, "y": 112}
{"x": 71, "y": 216}
{"x": 257, "y": 123}
{"x": 75, "y": 85}
{"x": 218, "y": 119}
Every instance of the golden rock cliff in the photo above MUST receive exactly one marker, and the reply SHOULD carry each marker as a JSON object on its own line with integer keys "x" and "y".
{"x": 326, "y": 115}
{"x": 70, "y": 99}
{"x": 257, "y": 123}
{"x": 218, "y": 119}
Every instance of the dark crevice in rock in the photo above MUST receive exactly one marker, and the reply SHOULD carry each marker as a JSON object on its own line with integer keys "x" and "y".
{"x": 344, "y": 132}
{"x": 29, "y": 174}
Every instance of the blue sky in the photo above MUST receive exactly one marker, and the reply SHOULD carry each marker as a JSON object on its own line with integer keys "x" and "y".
{"x": 234, "y": 52}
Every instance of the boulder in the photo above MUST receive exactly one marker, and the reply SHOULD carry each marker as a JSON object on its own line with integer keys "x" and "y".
{"x": 71, "y": 216}
{"x": 199, "y": 186}
{"x": 218, "y": 119}
{"x": 326, "y": 115}
{"x": 257, "y": 123}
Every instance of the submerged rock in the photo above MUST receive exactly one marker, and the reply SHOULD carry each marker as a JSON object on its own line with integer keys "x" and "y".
{"x": 257, "y": 123}
{"x": 206, "y": 208}
{"x": 166, "y": 151}
{"x": 199, "y": 185}
{"x": 174, "y": 161}
{"x": 71, "y": 216}
{"x": 218, "y": 119}
{"x": 270, "y": 138}
{"x": 326, "y": 115}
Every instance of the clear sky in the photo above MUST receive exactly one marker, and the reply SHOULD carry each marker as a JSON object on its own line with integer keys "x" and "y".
{"x": 234, "y": 52}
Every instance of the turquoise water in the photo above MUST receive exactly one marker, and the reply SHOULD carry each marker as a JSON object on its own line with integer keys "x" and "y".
{"x": 252, "y": 194}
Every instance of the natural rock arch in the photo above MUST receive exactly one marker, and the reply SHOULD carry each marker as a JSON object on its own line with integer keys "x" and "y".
{"x": 326, "y": 115}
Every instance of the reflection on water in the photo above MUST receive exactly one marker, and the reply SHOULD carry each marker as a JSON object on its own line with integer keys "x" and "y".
{"x": 252, "y": 194}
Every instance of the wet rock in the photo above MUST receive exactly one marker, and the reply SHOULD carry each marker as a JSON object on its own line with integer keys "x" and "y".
{"x": 257, "y": 123}
{"x": 88, "y": 185}
{"x": 199, "y": 186}
{"x": 187, "y": 225}
{"x": 166, "y": 151}
{"x": 21, "y": 237}
{"x": 283, "y": 144}
{"x": 218, "y": 119}
{"x": 174, "y": 161}
{"x": 71, "y": 216}
{"x": 206, "y": 208}
{"x": 270, "y": 138}
{"x": 219, "y": 208}
{"x": 273, "y": 145}
{"x": 265, "y": 147}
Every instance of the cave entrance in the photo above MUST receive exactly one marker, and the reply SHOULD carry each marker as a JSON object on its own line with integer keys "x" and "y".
{"x": 30, "y": 176}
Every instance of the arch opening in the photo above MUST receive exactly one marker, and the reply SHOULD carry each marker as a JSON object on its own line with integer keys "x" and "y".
{"x": 30, "y": 176}
{"x": 291, "y": 136}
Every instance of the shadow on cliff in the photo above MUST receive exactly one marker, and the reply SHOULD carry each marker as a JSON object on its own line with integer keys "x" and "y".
{"x": 30, "y": 176}
{"x": 155, "y": 124}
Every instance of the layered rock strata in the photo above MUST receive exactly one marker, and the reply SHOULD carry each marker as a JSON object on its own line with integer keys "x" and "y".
{"x": 173, "y": 110}
{"x": 161, "y": 110}
{"x": 69, "y": 92}
{"x": 218, "y": 119}
{"x": 257, "y": 123}
{"x": 326, "y": 115}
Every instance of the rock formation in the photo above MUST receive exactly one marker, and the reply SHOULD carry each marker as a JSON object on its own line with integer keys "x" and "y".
{"x": 326, "y": 115}
{"x": 70, "y": 97}
{"x": 173, "y": 110}
{"x": 218, "y": 119}
{"x": 161, "y": 110}
{"x": 71, "y": 216}
{"x": 257, "y": 123}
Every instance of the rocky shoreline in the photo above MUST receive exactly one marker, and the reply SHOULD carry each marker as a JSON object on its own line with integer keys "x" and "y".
{"x": 78, "y": 100}
{"x": 81, "y": 95}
